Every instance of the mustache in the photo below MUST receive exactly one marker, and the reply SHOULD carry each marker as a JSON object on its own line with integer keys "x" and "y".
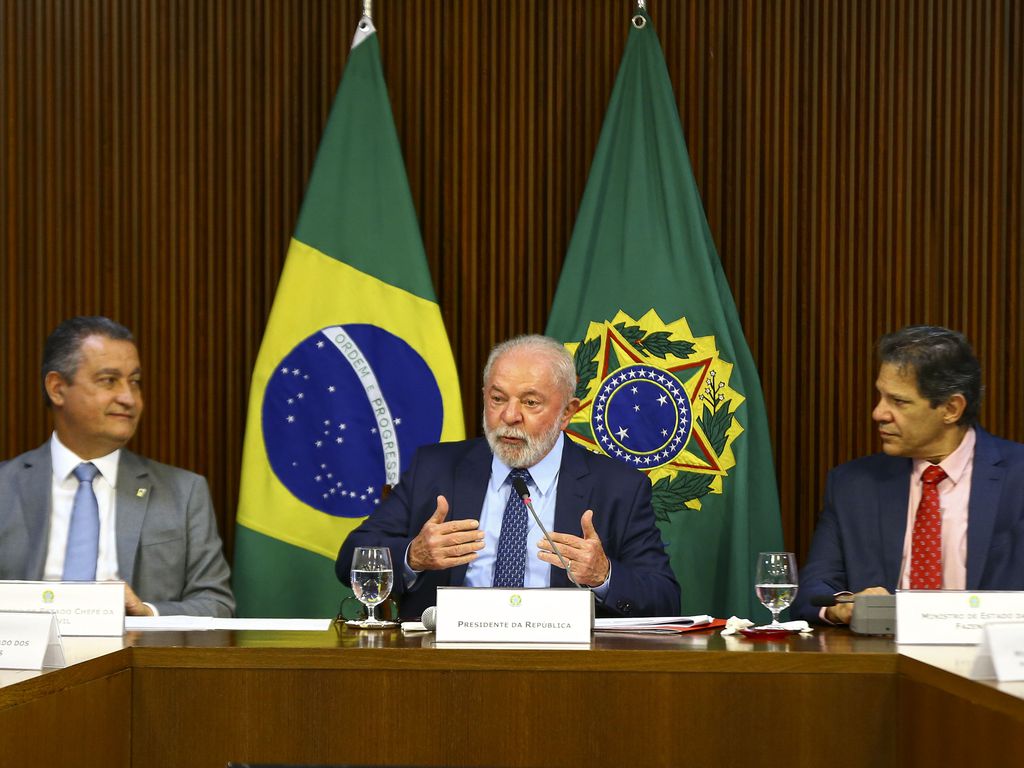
{"x": 512, "y": 432}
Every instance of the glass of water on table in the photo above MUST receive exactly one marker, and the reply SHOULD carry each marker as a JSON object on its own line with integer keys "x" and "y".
{"x": 775, "y": 584}
{"x": 372, "y": 577}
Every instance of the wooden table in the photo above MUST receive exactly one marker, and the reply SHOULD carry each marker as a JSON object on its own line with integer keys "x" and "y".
{"x": 200, "y": 699}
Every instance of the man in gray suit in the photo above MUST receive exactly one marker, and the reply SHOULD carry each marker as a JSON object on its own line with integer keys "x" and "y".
{"x": 81, "y": 506}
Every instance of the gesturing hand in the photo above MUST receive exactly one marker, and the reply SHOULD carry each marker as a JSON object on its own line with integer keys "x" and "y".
{"x": 441, "y": 545}
{"x": 585, "y": 557}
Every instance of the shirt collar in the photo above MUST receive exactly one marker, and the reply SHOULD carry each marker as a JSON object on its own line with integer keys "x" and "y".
{"x": 956, "y": 463}
{"x": 65, "y": 460}
{"x": 543, "y": 474}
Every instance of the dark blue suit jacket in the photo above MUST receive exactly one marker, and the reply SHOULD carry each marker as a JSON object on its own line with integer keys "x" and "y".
{"x": 859, "y": 539}
{"x": 642, "y": 581}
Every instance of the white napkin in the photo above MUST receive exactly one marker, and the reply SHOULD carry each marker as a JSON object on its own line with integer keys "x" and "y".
{"x": 734, "y": 624}
{"x": 790, "y": 626}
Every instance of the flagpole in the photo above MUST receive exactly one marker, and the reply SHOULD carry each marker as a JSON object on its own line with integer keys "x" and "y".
{"x": 368, "y": 9}
{"x": 639, "y": 20}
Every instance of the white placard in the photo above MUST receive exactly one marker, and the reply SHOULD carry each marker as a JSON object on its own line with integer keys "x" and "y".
{"x": 952, "y": 617}
{"x": 81, "y": 607}
{"x": 1001, "y": 653}
{"x": 499, "y": 615}
{"x": 29, "y": 641}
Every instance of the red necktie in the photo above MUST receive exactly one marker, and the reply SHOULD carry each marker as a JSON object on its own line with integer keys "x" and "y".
{"x": 926, "y": 545}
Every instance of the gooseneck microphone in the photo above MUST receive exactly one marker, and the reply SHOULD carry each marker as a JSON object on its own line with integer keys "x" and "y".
{"x": 520, "y": 487}
{"x": 827, "y": 601}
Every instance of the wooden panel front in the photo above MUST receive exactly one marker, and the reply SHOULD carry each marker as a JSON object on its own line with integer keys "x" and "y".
{"x": 202, "y": 717}
{"x": 83, "y": 725}
{"x": 201, "y": 698}
{"x": 945, "y": 719}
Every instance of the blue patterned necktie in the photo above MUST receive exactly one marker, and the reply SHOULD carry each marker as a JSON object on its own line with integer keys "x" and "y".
{"x": 84, "y": 531}
{"x": 510, "y": 562}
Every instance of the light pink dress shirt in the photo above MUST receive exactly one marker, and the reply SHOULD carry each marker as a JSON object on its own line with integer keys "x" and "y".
{"x": 954, "y": 496}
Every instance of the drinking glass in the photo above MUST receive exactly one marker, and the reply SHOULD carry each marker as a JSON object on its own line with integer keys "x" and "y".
{"x": 372, "y": 576}
{"x": 776, "y": 582}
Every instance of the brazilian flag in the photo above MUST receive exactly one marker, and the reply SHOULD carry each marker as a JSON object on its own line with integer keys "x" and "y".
{"x": 355, "y": 371}
{"x": 666, "y": 379}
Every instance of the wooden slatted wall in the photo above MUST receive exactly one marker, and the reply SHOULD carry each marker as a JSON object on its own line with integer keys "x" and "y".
{"x": 860, "y": 162}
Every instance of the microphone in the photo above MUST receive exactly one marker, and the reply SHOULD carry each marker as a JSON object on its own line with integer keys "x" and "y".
{"x": 827, "y": 601}
{"x": 429, "y": 618}
{"x": 519, "y": 486}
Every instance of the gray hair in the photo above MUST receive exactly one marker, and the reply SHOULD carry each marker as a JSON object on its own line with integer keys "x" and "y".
{"x": 62, "y": 351}
{"x": 562, "y": 365}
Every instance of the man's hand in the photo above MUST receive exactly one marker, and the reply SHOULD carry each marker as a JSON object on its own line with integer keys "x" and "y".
{"x": 133, "y": 606}
{"x": 842, "y": 613}
{"x": 441, "y": 545}
{"x": 585, "y": 557}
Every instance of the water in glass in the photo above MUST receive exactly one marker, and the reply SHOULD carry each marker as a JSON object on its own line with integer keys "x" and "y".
{"x": 776, "y": 582}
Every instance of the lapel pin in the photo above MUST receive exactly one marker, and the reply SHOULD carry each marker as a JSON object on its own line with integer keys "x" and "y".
{"x": 140, "y": 493}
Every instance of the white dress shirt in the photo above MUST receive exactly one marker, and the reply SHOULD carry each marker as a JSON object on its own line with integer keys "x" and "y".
{"x": 63, "y": 486}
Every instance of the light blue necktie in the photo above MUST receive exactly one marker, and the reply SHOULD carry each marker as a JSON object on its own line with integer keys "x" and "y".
{"x": 84, "y": 532}
{"x": 510, "y": 561}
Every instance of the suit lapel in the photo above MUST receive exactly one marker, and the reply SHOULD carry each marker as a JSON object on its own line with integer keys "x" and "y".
{"x": 35, "y": 499}
{"x": 470, "y": 486}
{"x": 893, "y": 499}
{"x": 571, "y": 500}
{"x": 987, "y": 478}
{"x": 134, "y": 489}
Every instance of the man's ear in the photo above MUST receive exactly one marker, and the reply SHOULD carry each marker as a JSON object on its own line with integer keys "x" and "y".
{"x": 570, "y": 410}
{"x": 55, "y": 386}
{"x": 954, "y": 408}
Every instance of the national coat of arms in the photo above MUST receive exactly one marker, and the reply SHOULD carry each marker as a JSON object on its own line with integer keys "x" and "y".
{"x": 658, "y": 398}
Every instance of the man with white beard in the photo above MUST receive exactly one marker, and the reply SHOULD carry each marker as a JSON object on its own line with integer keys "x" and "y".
{"x": 453, "y": 519}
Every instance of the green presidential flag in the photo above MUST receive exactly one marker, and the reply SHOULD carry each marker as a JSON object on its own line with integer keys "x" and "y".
{"x": 355, "y": 371}
{"x": 666, "y": 378}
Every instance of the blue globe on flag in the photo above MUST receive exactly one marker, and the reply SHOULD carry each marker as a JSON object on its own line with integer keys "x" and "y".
{"x": 642, "y": 416}
{"x": 344, "y": 412}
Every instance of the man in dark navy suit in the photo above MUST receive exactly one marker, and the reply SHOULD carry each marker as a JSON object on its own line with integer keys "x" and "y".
{"x": 446, "y": 521}
{"x": 942, "y": 507}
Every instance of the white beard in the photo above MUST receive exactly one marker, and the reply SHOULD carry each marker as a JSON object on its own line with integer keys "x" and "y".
{"x": 526, "y": 454}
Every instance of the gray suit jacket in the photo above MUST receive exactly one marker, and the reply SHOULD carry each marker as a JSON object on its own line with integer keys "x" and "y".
{"x": 168, "y": 548}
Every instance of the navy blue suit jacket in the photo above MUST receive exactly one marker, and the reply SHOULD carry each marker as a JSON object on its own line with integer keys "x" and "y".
{"x": 642, "y": 581}
{"x": 859, "y": 539}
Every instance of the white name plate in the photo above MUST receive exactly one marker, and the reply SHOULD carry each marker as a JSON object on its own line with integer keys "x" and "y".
{"x": 1001, "y": 653}
{"x": 952, "y": 617}
{"x": 499, "y": 615}
{"x": 29, "y": 641}
{"x": 81, "y": 607}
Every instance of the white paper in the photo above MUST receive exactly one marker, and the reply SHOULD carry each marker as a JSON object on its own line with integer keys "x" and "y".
{"x": 652, "y": 621}
{"x": 286, "y": 625}
{"x": 200, "y": 623}
{"x": 1001, "y": 653}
